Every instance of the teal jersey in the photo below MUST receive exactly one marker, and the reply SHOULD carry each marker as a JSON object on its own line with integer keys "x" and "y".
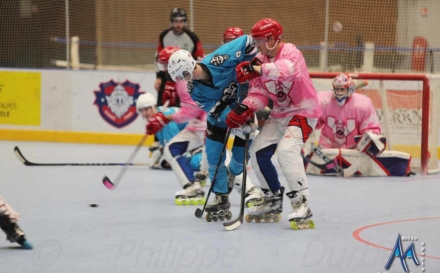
{"x": 220, "y": 65}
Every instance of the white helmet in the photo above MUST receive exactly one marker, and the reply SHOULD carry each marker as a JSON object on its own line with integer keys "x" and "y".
{"x": 181, "y": 66}
{"x": 144, "y": 101}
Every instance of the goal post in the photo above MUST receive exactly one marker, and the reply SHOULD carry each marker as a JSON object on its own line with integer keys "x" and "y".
{"x": 408, "y": 109}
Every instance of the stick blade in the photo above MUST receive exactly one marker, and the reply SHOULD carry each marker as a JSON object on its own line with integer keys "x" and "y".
{"x": 198, "y": 213}
{"x": 20, "y": 156}
{"x": 234, "y": 224}
{"x": 108, "y": 183}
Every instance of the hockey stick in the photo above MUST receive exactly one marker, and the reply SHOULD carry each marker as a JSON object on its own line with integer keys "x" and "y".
{"x": 239, "y": 221}
{"x": 111, "y": 185}
{"x": 199, "y": 212}
{"x": 29, "y": 163}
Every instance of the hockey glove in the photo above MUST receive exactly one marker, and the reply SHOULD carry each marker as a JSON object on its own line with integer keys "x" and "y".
{"x": 245, "y": 70}
{"x": 238, "y": 117}
{"x": 169, "y": 93}
{"x": 156, "y": 123}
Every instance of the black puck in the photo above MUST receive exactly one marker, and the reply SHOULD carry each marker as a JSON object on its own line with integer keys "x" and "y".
{"x": 93, "y": 205}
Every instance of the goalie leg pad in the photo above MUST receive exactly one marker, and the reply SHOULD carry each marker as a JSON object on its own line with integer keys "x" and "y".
{"x": 389, "y": 163}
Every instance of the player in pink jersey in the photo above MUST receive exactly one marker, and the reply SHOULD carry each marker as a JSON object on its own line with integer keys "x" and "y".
{"x": 351, "y": 135}
{"x": 279, "y": 72}
{"x": 345, "y": 114}
{"x": 190, "y": 138}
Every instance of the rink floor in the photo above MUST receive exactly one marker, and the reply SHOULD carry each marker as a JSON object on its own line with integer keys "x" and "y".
{"x": 138, "y": 228}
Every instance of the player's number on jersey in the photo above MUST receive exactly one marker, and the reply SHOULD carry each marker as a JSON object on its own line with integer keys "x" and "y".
{"x": 230, "y": 92}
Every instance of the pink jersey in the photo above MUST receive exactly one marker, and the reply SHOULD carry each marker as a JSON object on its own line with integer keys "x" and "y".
{"x": 189, "y": 111}
{"x": 286, "y": 81}
{"x": 340, "y": 124}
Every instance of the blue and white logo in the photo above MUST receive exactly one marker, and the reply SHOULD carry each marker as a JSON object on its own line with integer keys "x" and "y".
{"x": 398, "y": 252}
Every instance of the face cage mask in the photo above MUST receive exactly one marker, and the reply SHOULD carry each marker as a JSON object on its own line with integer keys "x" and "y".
{"x": 186, "y": 76}
{"x": 341, "y": 99}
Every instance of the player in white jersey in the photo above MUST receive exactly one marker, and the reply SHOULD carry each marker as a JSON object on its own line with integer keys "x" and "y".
{"x": 280, "y": 73}
{"x": 190, "y": 138}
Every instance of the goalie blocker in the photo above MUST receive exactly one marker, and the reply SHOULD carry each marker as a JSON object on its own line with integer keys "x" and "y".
{"x": 369, "y": 160}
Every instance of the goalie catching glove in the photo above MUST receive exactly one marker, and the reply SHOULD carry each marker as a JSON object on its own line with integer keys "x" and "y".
{"x": 238, "y": 117}
{"x": 371, "y": 143}
{"x": 246, "y": 72}
{"x": 156, "y": 123}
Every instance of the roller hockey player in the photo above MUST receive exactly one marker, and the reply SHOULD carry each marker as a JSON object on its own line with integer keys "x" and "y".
{"x": 188, "y": 139}
{"x": 278, "y": 73}
{"x": 8, "y": 223}
{"x": 232, "y": 33}
{"x": 351, "y": 135}
{"x": 146, "y": 106}
{"x": 213, "y": 86}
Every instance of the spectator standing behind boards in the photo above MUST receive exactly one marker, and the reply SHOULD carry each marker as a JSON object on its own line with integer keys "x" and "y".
{"x": 177, "y": 35}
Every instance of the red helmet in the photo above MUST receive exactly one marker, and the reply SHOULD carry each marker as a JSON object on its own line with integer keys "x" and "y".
{"x": 267, "y": 27}
{"x": 165, "y": 53}
{"x": 232, "y": 33}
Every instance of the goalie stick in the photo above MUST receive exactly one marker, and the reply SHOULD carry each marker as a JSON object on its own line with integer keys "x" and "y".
{"x": 325, "y": 166}
{"x": 331, "y": 164}
{"x": 26, "y": 162}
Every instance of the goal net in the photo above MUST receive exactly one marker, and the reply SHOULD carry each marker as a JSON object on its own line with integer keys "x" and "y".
{"x": 373, "y": 36}
{"x": 408, "y": 108}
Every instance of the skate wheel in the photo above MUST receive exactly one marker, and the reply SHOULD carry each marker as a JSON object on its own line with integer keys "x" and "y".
{"x": 294, "y": 225}
{"x": 228, "y": 215}
{"x": 179, "y": 202}
{"x": 202, "y": 201}
{"x": 258, "y": 219}
{"x": 267, "y": 218}
{"x": 249, "y": 218}
{"x": 221, "y": 218}
{"x": 215, "y": 218}
{"x": 194, "y": 201}
{"x": 311, "y": 224}
{"x": 277, "y": 217}
{"x": 208, "y": 217}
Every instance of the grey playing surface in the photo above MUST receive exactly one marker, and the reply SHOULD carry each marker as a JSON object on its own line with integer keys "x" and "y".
{"x": 138, "y": 228}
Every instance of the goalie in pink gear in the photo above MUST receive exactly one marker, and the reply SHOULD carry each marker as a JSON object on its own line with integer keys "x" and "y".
{"x": 345, "y": 114}
{"x": 190, "y": 138}
{"x": 351, "y": 134}
{"x": 279, "y": 72}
